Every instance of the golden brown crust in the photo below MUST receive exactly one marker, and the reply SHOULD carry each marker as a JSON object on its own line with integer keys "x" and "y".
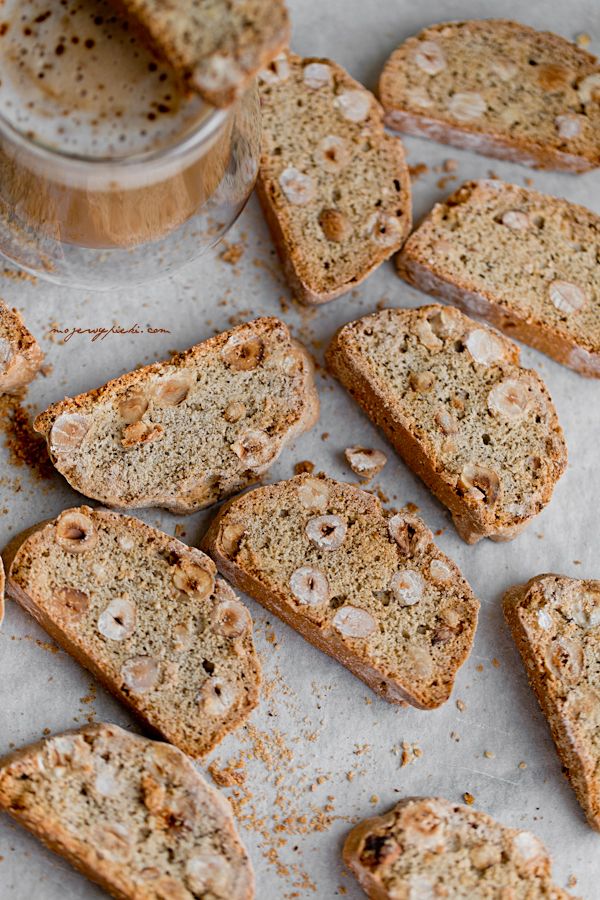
{"x": 20, "y": 354}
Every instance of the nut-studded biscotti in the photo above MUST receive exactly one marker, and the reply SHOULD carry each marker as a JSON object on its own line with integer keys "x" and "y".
{"x": 498, "y": 88}
{"x": 147, "y": 616}
{"x": 555, "y": 622}
{"x": 218, "y": 46}
{"x": 370, "y": 590}
{"x": 187, "y": 432}
{"x": 334, "y": 187}
{"x": 428, "y": 847}
{"x": 133, "y": 815}
{"x": 20, "y": 354}
{"x": 450, "y": 395}
{"x": 526, "y": 262}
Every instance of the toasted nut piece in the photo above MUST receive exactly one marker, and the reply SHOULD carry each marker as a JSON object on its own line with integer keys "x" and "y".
{"x": 365, "y": 461}
{"x": 509, "y": 399}
{"x": 405, "y": 530}
{"x": 569, "y": 126}
{"x": 585, "y": 611}
{"x": 416, "y": 96}
{"x": 313, "y": 494}
{"x": 234, "y": 411}
{"x": 589, "y": 88}
{"x": 183, "y": 636}
{"x": 255, "y": 449}
{"x": 133, "y": 407}
{"x": 446, "y": 421}
{"x": 485, "y": 855}
{"x": 118, "y": 620}
{"x": 552, "y": 76}
{"x": 298, "y": 188}
{"x": 206, "y": 873}
{"x": 564, "y": 659}
{"x": 467, "y": 105}
{"x": 429, "y": 57}
{"x": 353, "y": 622}
{"x": 317, "y": 75}
{"x": 243, "y": 353}
{"x": 140, "y": 674}
{"x": 112, "y": 842}
{"x": 440, "y": 571}
{"x": 326, "y": 532}
{"x": 332, "y": 153}
{"x": 427, "y": 336}
{"x": 230, "y": 537}
{"x": 420, "y": 661}
{"x": 505, "y": 69}
{"x": 75, "y": 532}
{"x": 140, "y": 433}
{"x": 354, "y": 105}
{"x": 217, "y": 696}
{"x": 106, "y": 783}
{"x": 383, "y": 229}
{"x": 173, "y": 390}
{"x": 480, "y": 482}
{"x": 421, "y": 382}
{"x": 309, "y": 586}
{"x": 335, "y": 225}
{"x": 530, "y": 852}
{"x": 445, "y": 322}
{"x": 515, "y": 219}
{"x": 485, "y": 347}
{"x": 545, "y": 620}
{"x": 193, "y": 578}
{"x": 567, "y": 297}
{"x": 71, "y": 601}
{"x": 407, "y": 587}
{"x": 68, "y": 433}
{"x": 231, "y": 618}
{"x": 278, "y": 70}
{"x": 6, "y": 353}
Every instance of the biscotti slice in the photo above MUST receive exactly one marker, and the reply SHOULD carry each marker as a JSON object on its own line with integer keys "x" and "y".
{"x": 498, "y": 88}
{"x": 131, "y": 814}
{"x": 218, "y": 46}
{"x": 526, "y": 262}
{"x": 370, "y": 590}
{"x": 427, "y": 847}
{"x": 147, "y": 616}
{"x": 187, "y": 432}
{"x": 334, "y": 187}
{"x": 450, "y": 395}
{"x": 20, "y": 354}
{"x": 555, "y": 622}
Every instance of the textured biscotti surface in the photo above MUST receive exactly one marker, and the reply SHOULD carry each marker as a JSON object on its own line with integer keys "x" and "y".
{"x": 498, "y": 88}
{"x": 146, "y": 614}
{"x": 555, "y": 622}
{"x": 334, "y": 187}
{"x": 20, "y": 355}
{"x": 427, "y": 847}
{"x": 185, "y": 433}
{"x": 131, "y": 814}
{"x": 218, "y": 46}
{"x": 526, "y": 262}
{"x": 373, "y": 592}
{"x": 481, "y": 431}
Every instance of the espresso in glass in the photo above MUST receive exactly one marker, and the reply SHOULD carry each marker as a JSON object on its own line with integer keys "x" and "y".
{"x": 111, "y": 172}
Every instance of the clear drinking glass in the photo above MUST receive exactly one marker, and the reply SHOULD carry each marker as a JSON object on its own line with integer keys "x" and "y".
{"x": 102, "y": 223}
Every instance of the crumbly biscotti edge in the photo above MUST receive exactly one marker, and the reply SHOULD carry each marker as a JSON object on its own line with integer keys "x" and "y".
{"x": 27, "y": 359}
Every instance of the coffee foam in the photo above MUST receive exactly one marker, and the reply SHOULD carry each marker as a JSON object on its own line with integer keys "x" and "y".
{"x": 73, "y": 77}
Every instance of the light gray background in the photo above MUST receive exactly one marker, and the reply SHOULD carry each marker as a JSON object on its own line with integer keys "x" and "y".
{"x": 315, "y": 715}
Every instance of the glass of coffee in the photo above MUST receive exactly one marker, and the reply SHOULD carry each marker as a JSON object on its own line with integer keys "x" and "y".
{"x": 110, "y": 172}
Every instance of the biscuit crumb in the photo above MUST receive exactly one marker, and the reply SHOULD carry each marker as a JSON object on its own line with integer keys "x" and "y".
{"x": 304, "y": 466}
{"x": 488, "y": 754}
{"x": 461, "y": 705}
{"x": 583, "y": 39}
{"x": 232, "y": 253}
{"x": 417, "y": 170}
{"x": 468, "y": 798}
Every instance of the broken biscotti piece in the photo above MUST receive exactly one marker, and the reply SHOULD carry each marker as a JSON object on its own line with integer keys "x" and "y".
{"x": 429, "y": 847}
{"x": 450, "y": 395}
{"x": 371, "y": 591}
{"x": 526, "y": 262}
{"x": 188, "y": 432}
{"x": 334, "y": 187}
{"x": 555, "y": 622}
{"x": 147, "y": 616}
{"x": 20, "y": 354}
{"x": 218, "y": 46}
{"x": 131, "y": 814}
{"x": 498, "y": 88}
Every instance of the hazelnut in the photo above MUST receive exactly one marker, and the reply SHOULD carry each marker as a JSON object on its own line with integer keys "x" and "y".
{"x": 429, "y": 57}
{"x": 317, "y": 75}
{"x": 440, "y": 571}
{"x": 426, "y": 335}
{"x": 118, "y": 620}
{"x": 298, "y": 188}
{"x": 106, "y": 782}
{"x": 589, "y": 88}
{"x": 231, "y": 618}
{"x": 442, "y": 634}
{"x": 419, "y": 660}
{"x": 326, "y": 532}
{"x": 446, "y": 421}
{"x": 407, "y": 532}
{"x": 445, "y": 322}
{"x": 364, "y": 461}
{"x": 193, "y": 577}
{"x": 335, "y": 225}
{"x": 509, "y": 399}
{"x": 421, "y": 382}
{"x": 112, "y": 842}
{"x": 71, "y": 601}
{"x": 354, "y": 105}
{"x": 172, "y": 391}
{"x": 182, "y": 636}
{"x": 68, "y": 433}
{"x": 206, "y": 873}
{"x": 416, "y": 96}
{"x": 480, "y": 482}
{"x": 467, "y": 105}
{"x": 140, "y": 433}
{"x": 564, "y": 659}
{"x": 230, "y": 537}
{"x": 75, "y": 532}
{"x": 516, "y": 220}
{"x": 140, "y": 674}
{"x": 133, "y": 407}
{"x": 217, "y": 696}
{"x": 407, "y": 587}
{"x": 332, "y": 154}
{"x": 243, "y": 352}
{"x": 125, "y": 542}
{"x": 256, "y": 449}
{"x": 553, "y": 77}
{"x": 353, "y": 622}
{"x": 567, "y": 297}
{"x": 278, "y": 70}
{"x": 569, "y": 126}
{"x": 313, "y": 493}
{"x": 529, "y": 851}
{"x": 544, "y": 619}
{"x": 505, "y": 69}
{"x": 485, "y": 855}
{"x": 585, "y": 612}
{"x": 309, "y": 586}
{"x": 234, "y": 411}
{"x": 485, "y": 347}
{"x": 384, "y": 229}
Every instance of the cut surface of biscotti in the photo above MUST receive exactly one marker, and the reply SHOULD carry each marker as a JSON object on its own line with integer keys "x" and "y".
{"x": 427, "y": 847}
{"x": 370, "y": 590}
{"x": 555, "y": 622}
{"x": 132, "y": 814}
{"x": 498, "y": 88}
{"x": 333, "y": 186}
{"x": 218, "y": 46}
{"x": 187, "y": 432}
{"x": 146, "y": 614}
{"x": 20, "y": 354}
{"x": 480, "y": 430}
{"x": 526, "y": 262}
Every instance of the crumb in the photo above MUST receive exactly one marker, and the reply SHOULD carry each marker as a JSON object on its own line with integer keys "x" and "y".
{"x": 417, "y": 170}
{"x": 528, "y": 181}
{"x": 412, "y": 507}
{"x": 488, "y": 754}
{"x": 325, "y": 436}
{"x": 455, "y": 736}
{"x": 46, "y": 370}
{"x": 572, "y": 881}
{"x": 468, "y": 798}
{"x": 350, "y": 776}
{"x": 450, "y": 165}
{"x": 24, "y": 445}
{"x": 439, "y": 532}
{"x": 493, "y": 175}
{"x": 232, "y": 253}
{"x": 374, "y": 799}
{"x": 576, "y": 562}
{"x": 46, "y": 731}
{"x": 179, "y": 531}
{"x": 19, "y": 275}
{"x": 442, "y": 183}
{"x": 305, "y": 466}
{"x": 461, "y": 705}
{"x": 583, "y": 39}
{"x": 228, "y": 776}
{"x": 479, "y": 667}
{"x": 522, "y": 765}
{"x": 496, "y": 663}
{"x": 539, "y": 535}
